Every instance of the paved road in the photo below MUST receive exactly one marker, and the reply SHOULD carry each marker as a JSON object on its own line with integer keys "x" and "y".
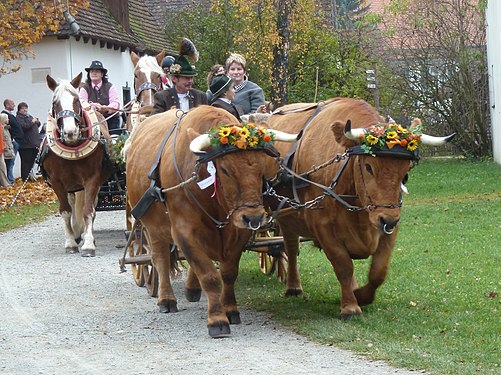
{"x": 64, "y": 314}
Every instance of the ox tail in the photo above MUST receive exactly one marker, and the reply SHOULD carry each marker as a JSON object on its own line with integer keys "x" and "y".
{"x": 77, "y": 219}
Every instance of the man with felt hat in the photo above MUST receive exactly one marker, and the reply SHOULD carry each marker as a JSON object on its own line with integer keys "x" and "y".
{"x": 222, "y": 89}
{"x": 101, "y": 94}
{"x": 182, "y": 95}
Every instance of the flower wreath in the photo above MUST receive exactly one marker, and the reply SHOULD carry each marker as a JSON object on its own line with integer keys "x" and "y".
{"x": 246, "y": 136}
{"x": 175, "y": 69}
{"x": 386, "y": 137}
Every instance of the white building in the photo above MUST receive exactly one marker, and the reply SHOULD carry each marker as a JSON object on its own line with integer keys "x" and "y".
{"x": 108, "y": 31}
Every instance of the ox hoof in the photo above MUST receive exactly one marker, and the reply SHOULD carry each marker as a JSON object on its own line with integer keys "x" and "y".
{"x": 350, "y": 313}
{"x": 88, "y": 253}
{"x": 193, "y": 295}
{"x": 167, "y": 306}
{"x": 293, "y": 292}
{"x": 219, "y": 331}
{"x": 71, "y": 250}
{"x": 234, "y": 317}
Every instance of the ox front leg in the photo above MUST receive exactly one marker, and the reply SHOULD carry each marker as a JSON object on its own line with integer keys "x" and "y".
{"x": 210, "y": 280}
{"x": 291, "y": 242}
{"x": 161, "y": 259}
{"x": 229, "y": 274}
{"x": 343, "y": 267}
{"x": 192, "y": 288}
{"x": 377, "y": 274}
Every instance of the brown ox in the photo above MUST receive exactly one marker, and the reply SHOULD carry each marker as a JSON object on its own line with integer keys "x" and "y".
{"x": 371, "y": 186}
{"x": 211, "y": 224}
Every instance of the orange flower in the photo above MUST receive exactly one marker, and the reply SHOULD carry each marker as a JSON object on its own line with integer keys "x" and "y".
{"x": 241, "y": 143}
{"x": 224, "y": 140}
{"x": 403, "y": 142}
{"x": 267, "y": 138}
{"x": 390, "y": 144}
{"x": 234, "y": 129}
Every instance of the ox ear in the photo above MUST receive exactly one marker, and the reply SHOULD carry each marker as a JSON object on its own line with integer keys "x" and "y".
{"x": 134, "y": 57}
{"x": 338, "y": 128}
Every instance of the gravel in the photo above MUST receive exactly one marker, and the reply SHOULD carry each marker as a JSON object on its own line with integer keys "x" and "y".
{"x": 64, "y": 314}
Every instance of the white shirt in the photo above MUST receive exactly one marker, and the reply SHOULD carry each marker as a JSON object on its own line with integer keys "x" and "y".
{"x": 184, "y": 102}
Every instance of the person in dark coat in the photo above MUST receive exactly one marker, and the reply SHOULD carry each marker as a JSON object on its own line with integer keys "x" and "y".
{"x": 29, "y": 149}
{"x": 16, "y": 134}
{"x": 182, "y": 95}
{"x": 223, "y": 92}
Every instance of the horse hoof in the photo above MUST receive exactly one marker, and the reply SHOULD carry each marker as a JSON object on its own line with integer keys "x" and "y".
{"x": 234, "y": 317}
{"x": 167, "y": 306}
{"x": 71, "y": 250}
{"x": 219, "y": 331}
{"x": 88, "y": 253}
{"x": 293, "y": 292}
{"x": 193, "y": 295}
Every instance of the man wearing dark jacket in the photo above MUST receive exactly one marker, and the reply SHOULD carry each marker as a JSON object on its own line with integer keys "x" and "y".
{"x": 16, "y": 133}
{"x": 29, "y": 149}
{"x": 182, "y": 95}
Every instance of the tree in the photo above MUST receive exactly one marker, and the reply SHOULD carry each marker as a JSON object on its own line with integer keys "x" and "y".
{"x": 25, "y": 23}
{"x": 440, "y": 57}
{"x": 283, "y": 41}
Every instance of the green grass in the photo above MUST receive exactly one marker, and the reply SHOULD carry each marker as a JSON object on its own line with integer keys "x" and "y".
{"x": 437, "y": 310}
{"x": 19, "y": 216}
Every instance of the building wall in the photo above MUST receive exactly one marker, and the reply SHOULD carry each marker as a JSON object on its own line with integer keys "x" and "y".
{"x": 62, "y": 59}
{"x": 494, "y": 62}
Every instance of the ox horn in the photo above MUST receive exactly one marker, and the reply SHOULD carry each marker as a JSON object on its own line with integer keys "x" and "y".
{"x": 199, "y": 143}
{"x": 436, "y": 141}
{"x": 283, "y": 137}
{"x": 353, "y": 134}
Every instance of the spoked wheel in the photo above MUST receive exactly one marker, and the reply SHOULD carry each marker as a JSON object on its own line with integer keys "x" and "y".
{"x": 274, "y": 259}
{"x": 135, "y": 249}
{"x": 149, "y": 273}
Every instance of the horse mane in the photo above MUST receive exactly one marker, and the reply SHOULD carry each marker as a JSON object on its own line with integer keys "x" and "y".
{"x": 150, "y": 62}
{"x": 63, "y": 86}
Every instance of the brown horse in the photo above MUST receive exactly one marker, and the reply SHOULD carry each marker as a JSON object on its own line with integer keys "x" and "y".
{"x": 74, "y": 163}
{"x": 147, "y": 81}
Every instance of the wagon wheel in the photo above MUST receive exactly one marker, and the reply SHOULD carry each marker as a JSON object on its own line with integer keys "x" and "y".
{"x": 149, "y": 273}
{"x": 135, "y": 248}
{"x": 275, "y": 259}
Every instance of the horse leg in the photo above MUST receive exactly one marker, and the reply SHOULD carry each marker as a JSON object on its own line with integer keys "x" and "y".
{"x": 77, "y": 224}
{"x": 70, "y": 245}
{"x": 88, "y": 214}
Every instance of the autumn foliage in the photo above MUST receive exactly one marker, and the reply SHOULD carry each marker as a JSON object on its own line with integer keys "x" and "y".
{"x": 25, "y": 23}
{"x": 31, "y": 193}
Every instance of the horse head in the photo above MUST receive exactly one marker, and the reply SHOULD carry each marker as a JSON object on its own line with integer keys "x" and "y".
{"x": 66, "y": 108}
{"x": 147, "y": 79}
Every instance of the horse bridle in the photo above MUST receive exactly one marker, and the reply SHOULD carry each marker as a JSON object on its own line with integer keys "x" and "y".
{"x": 146, "y": 86}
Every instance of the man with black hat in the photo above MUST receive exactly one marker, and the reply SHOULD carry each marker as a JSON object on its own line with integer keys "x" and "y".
{"x": 101, "y": 94}
{"x": 182, "y": 95}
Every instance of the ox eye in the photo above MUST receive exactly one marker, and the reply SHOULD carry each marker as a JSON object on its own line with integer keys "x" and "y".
{"x": 368, "y": 168}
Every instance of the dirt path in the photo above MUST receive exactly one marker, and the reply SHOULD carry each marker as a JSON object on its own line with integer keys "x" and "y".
{"x": 64, "y": 314}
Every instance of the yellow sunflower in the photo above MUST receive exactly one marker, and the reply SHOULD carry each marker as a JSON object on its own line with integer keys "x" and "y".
{"x": 412, "y": 145}
{"x": 391, "y": 136}
{"x": 244, "y": 132}
{"x": 372, "y": 140}
{"x": 224, "y": 131}
{"x": 253, "y": 140}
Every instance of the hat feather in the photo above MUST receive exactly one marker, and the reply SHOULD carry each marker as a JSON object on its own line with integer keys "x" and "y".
{"x": 187, "y": 48}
